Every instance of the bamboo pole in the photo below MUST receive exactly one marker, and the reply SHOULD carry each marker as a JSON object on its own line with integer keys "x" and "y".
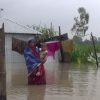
{"x": 2, "y": 65}
{"x": 61, "y": 50}
{"x": 94, "y": 50}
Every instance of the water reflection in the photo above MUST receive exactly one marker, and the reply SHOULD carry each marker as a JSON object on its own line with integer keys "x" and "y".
{"x": 36, "y": 92}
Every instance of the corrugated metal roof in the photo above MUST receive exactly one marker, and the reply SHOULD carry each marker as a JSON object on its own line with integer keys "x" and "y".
{"x": 13, "y": 27}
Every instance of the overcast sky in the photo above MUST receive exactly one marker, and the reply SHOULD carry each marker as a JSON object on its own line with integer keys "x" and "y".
{"x": 59, "y": 12}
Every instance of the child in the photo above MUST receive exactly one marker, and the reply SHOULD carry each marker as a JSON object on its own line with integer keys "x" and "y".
{"x": 43, "y": 56}
{"x": 43, "y": 52}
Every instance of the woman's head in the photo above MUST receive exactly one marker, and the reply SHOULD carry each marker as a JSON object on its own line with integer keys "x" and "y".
{"x": 31, "y": 43}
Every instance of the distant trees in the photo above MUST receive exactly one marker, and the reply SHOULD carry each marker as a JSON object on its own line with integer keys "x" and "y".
{"x": 98, "y": 39}
{"x": 47, "y": 33}
{"x": 81, "y": 23}
{"x": 87, "y": 41}
{"x": 95, "y": 39}
{"x": 77, "y": 39}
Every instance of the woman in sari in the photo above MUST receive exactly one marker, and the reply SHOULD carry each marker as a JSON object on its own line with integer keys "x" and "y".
{"x": 36, "y": 72}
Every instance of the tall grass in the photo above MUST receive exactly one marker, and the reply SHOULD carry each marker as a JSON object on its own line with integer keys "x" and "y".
{"x": 81, "y": 52}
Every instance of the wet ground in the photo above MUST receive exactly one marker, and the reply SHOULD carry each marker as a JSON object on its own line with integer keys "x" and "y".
{"x": 64, "y": 82}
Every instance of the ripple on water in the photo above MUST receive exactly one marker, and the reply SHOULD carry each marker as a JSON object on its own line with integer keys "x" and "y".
{"x": 65, "y": 82}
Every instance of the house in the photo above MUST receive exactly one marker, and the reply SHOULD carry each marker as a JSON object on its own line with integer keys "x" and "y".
{"x": 22, "y": 33}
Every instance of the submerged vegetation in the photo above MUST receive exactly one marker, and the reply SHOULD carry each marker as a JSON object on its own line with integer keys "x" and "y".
{"x": 83, "y": 52}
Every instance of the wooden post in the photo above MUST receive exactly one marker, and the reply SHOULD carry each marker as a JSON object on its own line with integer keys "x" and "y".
{"x": 2, "y": 65}
{"x": 61, "y": 50}
{"x": 94, "y": 50}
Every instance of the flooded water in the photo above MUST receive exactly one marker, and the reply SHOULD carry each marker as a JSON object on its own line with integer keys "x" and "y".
{"x": 64, "y": 82}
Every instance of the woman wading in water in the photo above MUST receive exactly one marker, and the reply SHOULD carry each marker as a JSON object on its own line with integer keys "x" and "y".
{"x": 35, "y": 65}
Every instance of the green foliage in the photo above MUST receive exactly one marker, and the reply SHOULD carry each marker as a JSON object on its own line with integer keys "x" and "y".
{"x": 77, "y": 39}
{"x": 81, "y": 52}
{"x": 47, "y": 33}
{"x": 81, "y": 10}
{"x": 81, "y": 23}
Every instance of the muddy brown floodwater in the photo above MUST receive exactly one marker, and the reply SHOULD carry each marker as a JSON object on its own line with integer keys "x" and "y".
{"x": 64, "y": 82}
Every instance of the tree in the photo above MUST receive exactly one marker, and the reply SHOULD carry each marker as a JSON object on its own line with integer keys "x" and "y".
{"x": 98, "y": 39}
{"x": 80, "y": 26}
{"x": 47, "y": 33}
{"x": 77, "y": 39}
{"x": 95, "y": 39}
{"x": 87, "y": 41}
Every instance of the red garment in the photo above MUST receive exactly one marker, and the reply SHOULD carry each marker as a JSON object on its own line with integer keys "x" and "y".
{"x": 53, "y": 47}
{"x": 37, "y": 80}
{"x": 36, "y": 53}
{"x": 33, "y": 79}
